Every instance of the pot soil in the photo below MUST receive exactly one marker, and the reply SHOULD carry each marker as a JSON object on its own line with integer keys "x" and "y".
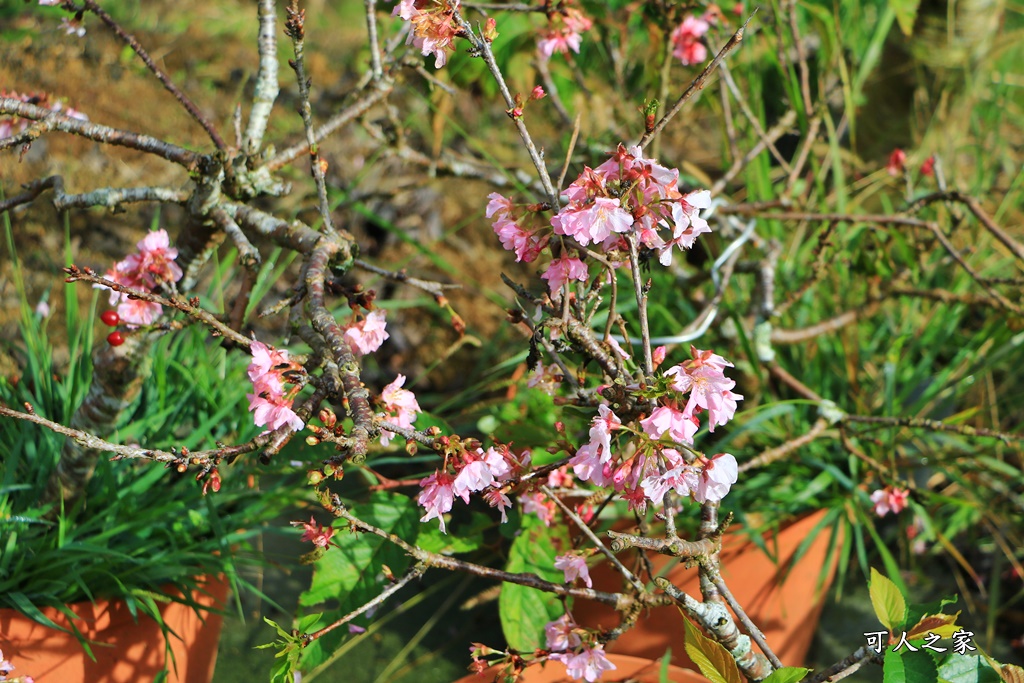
{"x": 126, "y": 650}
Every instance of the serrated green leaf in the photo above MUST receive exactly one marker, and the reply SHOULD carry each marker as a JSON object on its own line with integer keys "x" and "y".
{"x": 968, "y": 669}
{"x": 887, "y": 600}
{"x": 893, "y": 670}
{"x": 787, "y": 674}
{"x": 713, "y": 660}
{"x": 906, "y": 13}
{"x": 524, "y": 611}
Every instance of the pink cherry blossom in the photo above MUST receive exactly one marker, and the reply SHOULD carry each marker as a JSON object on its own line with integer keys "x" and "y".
{"x": 154, "y": 263}
{"x": 718, "y": 475}
{"x": 589, "y": 664}
{"x": 497, "y": 461}
{"x": 514, "y": 237}
{"x": 538, "y": 504}
{"x": 574, "y": 567}
{"x": 588, "y": 465}
{"x": 318, "y": 534}
{"x": 496, "y": 498}
{"x": 686, "y": 39}
{"x": 498, "y": 206}
{"x": 709, "y": 388}
{"x": 683, "y": 479}
{"x": 667, "y": 420}
{"x": 436, "y": 497}
{"x": 433, "y": 28}
{"x": 135, "y": 312}
{"x": 546, "y": 378}
{"x": 400, "y": 406}
{"x": 560, "y": 635}
{"x": 564, "y": 269}
{"x": 890, "y": 499}
{"x": 563, "y": 34}
{"x": 593, "y": 223}
{"x": 266, "y": 360}
{"x": 601, "y": 428}
{"x": 368, "y": 334}
{"x": 475, "y": 476}
{"x": 274, "y": 412}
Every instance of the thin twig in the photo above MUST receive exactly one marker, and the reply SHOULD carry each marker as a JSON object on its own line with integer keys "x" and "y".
{"x": 295, "y": 29}
{"x": 182, "y": 459}
{"x": 93, "y": 131}
{"x": 416, "y": 572}
{"x": 772, "y": 454}
{"x": 168, "y": 84}
{"x": 194, "y": 311}
{"x": 484, "y": 49}
{"x": 697, "y": 84}
{"x": 589, "y": 533}
{"x": 935, "y": 426}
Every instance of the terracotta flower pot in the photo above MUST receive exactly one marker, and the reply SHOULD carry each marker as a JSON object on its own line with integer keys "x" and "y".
{"x": 126, "y": 650}
{"x": 782, "y": 598}
{"x": 633, "y": 669}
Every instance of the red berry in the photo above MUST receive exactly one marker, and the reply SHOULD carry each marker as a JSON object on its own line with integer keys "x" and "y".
{"x": 115, "y": 339}
{"x": 110, "y": 318}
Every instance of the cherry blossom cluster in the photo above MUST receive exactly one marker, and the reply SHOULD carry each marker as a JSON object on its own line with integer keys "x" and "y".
{"x": 270, "y": 403}
{"x": 432, "y": 26}
{"x": 11, "y": 125}
{"x": 564, "y": 32}
{"x": 687, "y": 46}
{"x": 475, "y": 471}
{"x": 150, "y": 268}
{"x": 890, "y": 499}
{"x": 625, "y": 196}
{"x": 582, "y": 660}
{"x": 648, "y": 468}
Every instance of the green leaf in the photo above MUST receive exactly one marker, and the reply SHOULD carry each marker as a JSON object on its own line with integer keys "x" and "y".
{"x": 787, "y": 674}
{"x": 524, "y": 611}
{"x": 906, "y": 666}
{"x": 465, "y": 538}
{"x": 890, "y": 606}
{"x": 968, "y": 669}
{"x": 713, "y": 660}
{"x": 893, "y": 670}
{"x": 350, "y": 572}
{"x": 906, "y": 13}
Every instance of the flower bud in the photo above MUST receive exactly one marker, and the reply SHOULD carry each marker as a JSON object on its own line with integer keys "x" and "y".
{"x": 328, "y": 418}
{"x": 490, "y": 31}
